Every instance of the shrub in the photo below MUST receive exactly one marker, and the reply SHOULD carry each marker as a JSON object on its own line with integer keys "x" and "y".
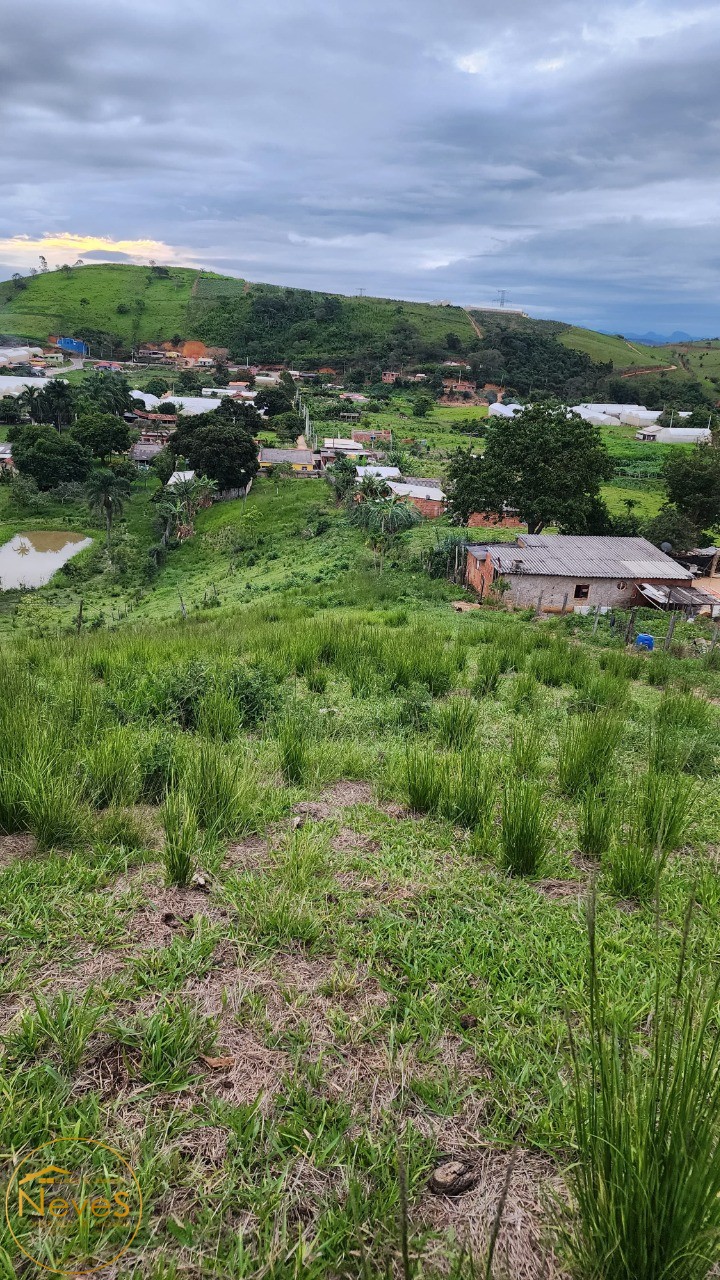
{"x": 626, "y": 666}
{"x": 415, "y": 708}
{"x": 550, "y": 666}
{"x": 182, "y": 839}
{"x": 524, "y": 832}
{"x": 255, "y": 692}
{"x": 683, "y": 711}
{"x": 634, "y": 866}
{"x": 645, "y": 1183}
{"x": 52, "y": 804}
{"x": 218, "y": 716}
{"x": 602, "y": 691}
{"x": 586, "y": 750}
{"x": 456, "y": 722}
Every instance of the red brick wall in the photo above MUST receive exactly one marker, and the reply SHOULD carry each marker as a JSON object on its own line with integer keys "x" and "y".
{"x": 489, "y": 520}
{"x": 479, "y": 578}
{"x": 366, "y": 437}
{"x": 428, "y": 507}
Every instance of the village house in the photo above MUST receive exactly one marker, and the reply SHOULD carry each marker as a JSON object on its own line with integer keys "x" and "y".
{"x": 559, "y": 573}
{"x": 301, "y": 460}
{"x": 6, "y": 460}
{"x": 427, "y": 499}
{"x": 370, "y": 436}
{"x": 339, "y": 445}
{"x": 510, "y": 519}
{"x": 390, "y": 376}
{"x": 143, "y": 452}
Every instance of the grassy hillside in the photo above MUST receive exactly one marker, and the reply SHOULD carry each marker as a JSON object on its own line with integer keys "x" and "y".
{"x": 116, "y": 299}
{"x": 134, "y": 304}
{"x": 377, "y": 968}
{"x": 621, "y": 353}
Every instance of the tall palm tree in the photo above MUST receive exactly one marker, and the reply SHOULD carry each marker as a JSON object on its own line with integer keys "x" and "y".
{"x": 29, "y": 400}
{"x": 107, "y": 493}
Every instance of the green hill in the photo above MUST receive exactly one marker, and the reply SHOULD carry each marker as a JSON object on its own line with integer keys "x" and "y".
{"x": 117, "y": 306}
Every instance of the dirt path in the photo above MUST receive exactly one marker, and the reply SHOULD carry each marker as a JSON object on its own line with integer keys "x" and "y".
{"x": 474, "y": 323}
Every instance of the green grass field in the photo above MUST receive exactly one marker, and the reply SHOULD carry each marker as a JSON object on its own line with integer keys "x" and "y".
{"x": 359, "y": 987}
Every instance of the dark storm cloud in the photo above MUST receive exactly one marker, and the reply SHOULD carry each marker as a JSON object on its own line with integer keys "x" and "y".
{"x": 411, "y": 149}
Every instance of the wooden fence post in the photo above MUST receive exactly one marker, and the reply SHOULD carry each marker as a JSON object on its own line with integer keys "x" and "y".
{"x": 670, "y": 632}
{"x": 597, "y": 618}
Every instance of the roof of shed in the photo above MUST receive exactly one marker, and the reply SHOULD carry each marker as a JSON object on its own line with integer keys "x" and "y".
{"x": 566, "y": 556}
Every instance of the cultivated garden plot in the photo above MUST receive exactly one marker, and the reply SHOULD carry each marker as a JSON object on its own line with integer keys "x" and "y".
{"x": 377, "y": 944}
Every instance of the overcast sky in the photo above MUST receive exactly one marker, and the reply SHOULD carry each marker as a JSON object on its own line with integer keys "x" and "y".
{"x": 565, "y": 152}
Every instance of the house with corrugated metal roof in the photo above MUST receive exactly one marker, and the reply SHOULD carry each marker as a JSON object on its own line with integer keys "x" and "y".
{"x": 558, "y": 573}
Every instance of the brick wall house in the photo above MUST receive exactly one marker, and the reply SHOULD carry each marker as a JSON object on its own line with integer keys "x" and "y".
{"x": 558, "y": 573}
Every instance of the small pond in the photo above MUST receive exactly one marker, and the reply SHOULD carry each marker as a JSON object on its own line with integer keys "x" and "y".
{"x": 31, "y": 559}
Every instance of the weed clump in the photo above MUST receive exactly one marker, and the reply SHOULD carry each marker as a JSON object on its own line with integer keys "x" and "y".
{"x": 182, "y": 839}
{"x": 524, "y": 831}
{"x": 645, "y": 1183}
{"x": 586, "y": 750}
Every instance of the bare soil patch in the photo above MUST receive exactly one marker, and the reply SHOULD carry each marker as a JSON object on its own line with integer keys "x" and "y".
{"x": 168, "y": 911}
{"x": 12, "y": 848}
{"x": 558, "y": 889}
{"x": 522, "y": 1250}
{"x": 251, "y": 854}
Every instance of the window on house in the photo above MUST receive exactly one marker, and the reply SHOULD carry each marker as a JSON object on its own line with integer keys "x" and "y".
{"x": 582, "y": 591}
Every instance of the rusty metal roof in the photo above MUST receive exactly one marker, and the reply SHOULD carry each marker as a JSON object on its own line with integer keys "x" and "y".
{"x": 566, "y": 556}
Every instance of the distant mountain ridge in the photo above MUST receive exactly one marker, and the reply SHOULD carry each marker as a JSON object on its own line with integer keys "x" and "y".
{"x": 659, "y": 339}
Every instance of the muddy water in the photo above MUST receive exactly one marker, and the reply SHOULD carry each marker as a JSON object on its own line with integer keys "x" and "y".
{"x": 31, "y": 559}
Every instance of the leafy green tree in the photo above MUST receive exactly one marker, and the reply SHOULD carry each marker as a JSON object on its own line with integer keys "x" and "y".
{"x": 225, "y": 453}
{"x": 545, "y": 462}
{"x": 10, "y": 410}
{"x": 422, "y": 406}
{"x": 672, "y": 526}
{"x": 287, "y": 427}
{"x": 48, "y": 456}
{"x": 157, "y": 386}
{"x": 187, "y": 382}
{"x": 221, "y": 375}
{"x": 692, "y": 480}
{"x": 373, "y": 487}
{"x": 106, "y": 494}
{"x": 273, "y": 400}
{"x": 102, "y": 433}
{"x": 164, "y": 464}
{"x": 466, "y": 485}
{"x": 58, "y": 404}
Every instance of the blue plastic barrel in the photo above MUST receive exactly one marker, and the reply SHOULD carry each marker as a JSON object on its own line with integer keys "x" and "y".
{"x": 644, "y": 641}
